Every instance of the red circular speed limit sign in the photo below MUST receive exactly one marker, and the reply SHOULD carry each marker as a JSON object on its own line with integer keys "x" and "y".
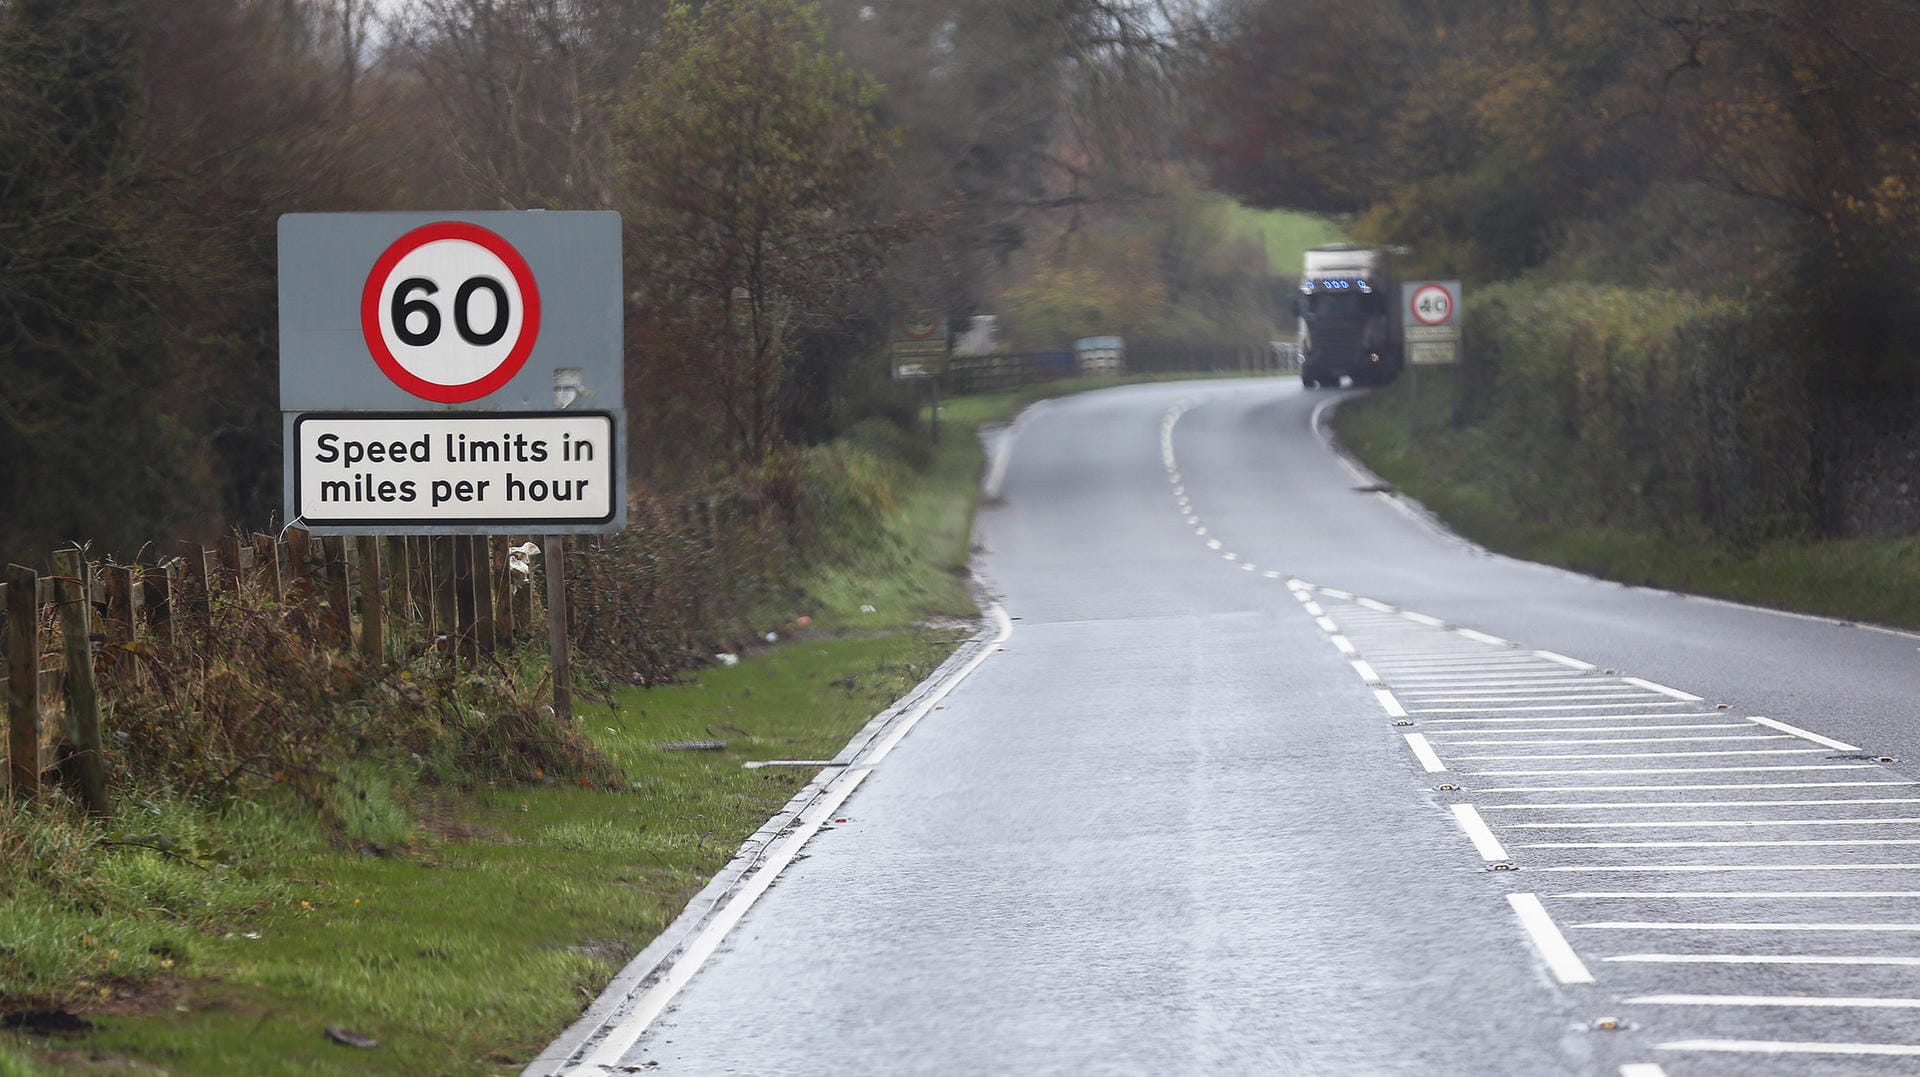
{"x": 450, "y": 311}
{"x": 1432, "y": 305}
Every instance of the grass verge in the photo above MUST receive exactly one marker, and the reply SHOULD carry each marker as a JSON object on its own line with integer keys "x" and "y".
{"x": 460, "y": 929}
{"x": 1460, "y": 477}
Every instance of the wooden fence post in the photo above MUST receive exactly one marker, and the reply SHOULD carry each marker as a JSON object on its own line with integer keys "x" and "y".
{"x": 483, "y": 608}
{"x": 446, "y": 601}
{"x": 23, "y": 682}
{"x": 300, "y": 563}
{"x": 466, "y": 639}
{"x": 373, "y": 600}
{"x": 123, "y": 620}
{"x": 420, "y": 559}
{"x": 502, "y": 592}
{"x": 555, "y": 562}
{"x": 266, "y": 567}
{"x": 395, "y": 563}
{"x": 159, "y": 584}
{"x": 230, "y": 561}
{"x": 333, "y": 550}
{"x": 522, "y": 590}
{"x": 71, "y": 591}
{"x": 198, "y": 597}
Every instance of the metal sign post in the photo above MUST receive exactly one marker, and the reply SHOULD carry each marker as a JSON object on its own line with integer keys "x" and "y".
{"x": 918, "y": 351}
{"x": 454, "y": 374}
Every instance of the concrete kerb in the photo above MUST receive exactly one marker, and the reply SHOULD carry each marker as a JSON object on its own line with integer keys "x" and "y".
{"x": 652, "y": 963}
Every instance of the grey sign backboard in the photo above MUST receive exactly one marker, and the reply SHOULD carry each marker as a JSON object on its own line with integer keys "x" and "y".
{"x": 406, "y": 338}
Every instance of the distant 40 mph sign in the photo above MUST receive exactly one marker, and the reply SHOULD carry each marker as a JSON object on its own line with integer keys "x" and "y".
{"x": 452, "y": 373}
{"x": 1430, "y": 315}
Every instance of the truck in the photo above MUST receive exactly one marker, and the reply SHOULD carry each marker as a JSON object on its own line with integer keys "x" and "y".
{"x": 1347, "y": 322}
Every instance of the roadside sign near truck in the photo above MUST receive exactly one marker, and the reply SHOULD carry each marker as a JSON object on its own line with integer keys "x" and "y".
{"x": 1430, "y": 313}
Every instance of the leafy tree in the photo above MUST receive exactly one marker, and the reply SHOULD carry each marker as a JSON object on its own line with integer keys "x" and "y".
{"x": 746, "y": 160}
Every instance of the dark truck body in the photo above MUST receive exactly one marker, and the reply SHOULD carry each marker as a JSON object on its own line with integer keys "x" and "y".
{"x": 1349, "y": 321}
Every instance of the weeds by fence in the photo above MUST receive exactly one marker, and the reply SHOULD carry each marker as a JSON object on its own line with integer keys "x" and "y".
{"x": 91, "y": 634}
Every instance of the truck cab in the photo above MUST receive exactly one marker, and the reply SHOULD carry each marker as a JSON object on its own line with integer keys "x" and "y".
{"x": 1347, "y": 323}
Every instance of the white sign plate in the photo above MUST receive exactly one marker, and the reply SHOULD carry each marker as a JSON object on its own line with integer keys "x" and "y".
{"x": 1432, "y": 352}
{"x": 401, "y": 471}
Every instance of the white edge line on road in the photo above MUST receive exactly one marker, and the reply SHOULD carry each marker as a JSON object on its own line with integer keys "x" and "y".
{"x": 654, "y": 977}
{"x": 997, "y": 474}
{"x": 1482, "y": 637}
{"x": 1662, "y": 689}
{"x": 1642, "y": 1069}
{"x": 1394, "y": 709}
{"x": 1344, "y": 644}
{"x": 1365, "y": 671}
{"x": 1570, "y": 663}
{"x": 1423, "y": 619}
{"x": 926, "y": 705}
{"x": 1425, "y": 753}
{"x": 1783, "y": 727}
{"x": 622, "y": 1037}
{"x": 1565, "y": 965}
{"x": 1479, "y": 833}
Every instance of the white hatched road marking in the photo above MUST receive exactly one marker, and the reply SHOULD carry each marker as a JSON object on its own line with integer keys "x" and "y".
{"x": 1689, "y": 824}
{"x": 1785, "y": 926}
{"x": 1558, "y": 742}
{"x": 1781, "y": 1047}
{"x": 1593, "y": 804}
{"x": 1674, "y": 788}
{"x": 1536, "y": 705}
{"x": 1798, "y": 732}
{"x": 1763, "y": 959}
{"x": 1682, "y": 869}
{"x": 1598, "y": 895}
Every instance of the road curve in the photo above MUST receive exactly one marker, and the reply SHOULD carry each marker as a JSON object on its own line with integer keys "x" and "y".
{"x": 1270, "y": 776}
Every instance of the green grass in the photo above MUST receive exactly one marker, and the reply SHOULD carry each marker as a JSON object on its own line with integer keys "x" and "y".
{"x": 1458, "y": 477}
{"x": 1286, "y": 234}
{"x": 468, "y": 950}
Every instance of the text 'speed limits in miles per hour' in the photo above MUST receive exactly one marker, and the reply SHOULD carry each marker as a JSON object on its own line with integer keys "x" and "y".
{"x": 417, "y": 470}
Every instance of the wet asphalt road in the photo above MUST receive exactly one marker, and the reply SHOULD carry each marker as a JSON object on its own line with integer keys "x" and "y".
{"x": 1172, "y": 826}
